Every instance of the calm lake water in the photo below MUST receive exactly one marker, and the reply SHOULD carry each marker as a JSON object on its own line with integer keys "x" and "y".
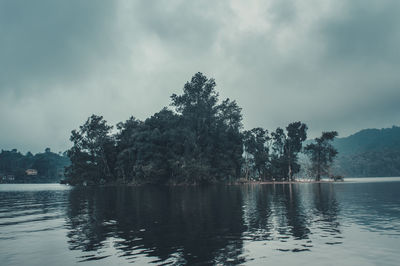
{"x": 356, "y": 222}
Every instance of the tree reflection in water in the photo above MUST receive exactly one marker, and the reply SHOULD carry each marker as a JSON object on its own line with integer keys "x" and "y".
{"x": 178, "y": 224}
{"x": 326, "y": 212}
{"x": 198, "y": 224}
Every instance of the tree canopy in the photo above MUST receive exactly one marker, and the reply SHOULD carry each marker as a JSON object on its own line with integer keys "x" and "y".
{"x": 197, "y": 139}
{"x": 322, "y": 153}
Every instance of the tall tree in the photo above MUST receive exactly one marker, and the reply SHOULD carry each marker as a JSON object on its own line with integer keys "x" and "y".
{"x": 296, "y": 135}
{"x": 227, "y": 157}
{"x": 215, "y": 146}
{"x": 126, "y": 140}
{"x": 277, "y": 159}
{"x": 256, "y": 151}
{"x": 322, "y": 153}
{"x": 197, "y": 107}
{"x": 93, "y": 153}
{"x": 285, "y": 147}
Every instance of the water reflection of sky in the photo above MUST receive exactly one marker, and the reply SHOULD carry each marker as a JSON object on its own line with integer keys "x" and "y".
{"x": 350, "y": 223}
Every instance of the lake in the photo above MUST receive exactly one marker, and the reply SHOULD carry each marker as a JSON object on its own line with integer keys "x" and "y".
{"x": 356, "y": 222}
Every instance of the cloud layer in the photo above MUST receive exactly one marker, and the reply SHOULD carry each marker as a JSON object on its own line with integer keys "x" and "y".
{"x": 332, "y": 64}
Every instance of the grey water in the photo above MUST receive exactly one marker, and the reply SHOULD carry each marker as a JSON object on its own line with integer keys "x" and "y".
{"x": 356, "y": 222}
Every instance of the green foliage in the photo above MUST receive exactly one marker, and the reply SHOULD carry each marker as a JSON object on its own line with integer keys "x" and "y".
{"x": 296, "y": 135}
{"x": 93, "y": 153}
{"x": 322, "y": 153}
{"x": 375, "y": 163}
{"x": 199, "y": 140}
{"x": 49, "y": 166}
{"x": 256, "y": 152}
{"x": 369, "y": 153}
{"x": 275, "y": 156}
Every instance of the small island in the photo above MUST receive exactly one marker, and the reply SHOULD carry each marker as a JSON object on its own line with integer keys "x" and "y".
{"x": 197, "y": 140}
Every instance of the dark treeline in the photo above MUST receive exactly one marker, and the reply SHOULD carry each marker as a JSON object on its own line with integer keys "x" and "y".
{"x": 47, "y": 166}
{"x": 199, "y": 139}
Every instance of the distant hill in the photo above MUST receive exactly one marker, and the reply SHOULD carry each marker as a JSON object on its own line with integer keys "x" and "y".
{"x": 369, "y": 153}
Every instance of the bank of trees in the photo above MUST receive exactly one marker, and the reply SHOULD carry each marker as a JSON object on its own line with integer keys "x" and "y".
{"x": 198, "y": 139}
{"x": 273, "y": 156}
{"x": 49, "y": 166}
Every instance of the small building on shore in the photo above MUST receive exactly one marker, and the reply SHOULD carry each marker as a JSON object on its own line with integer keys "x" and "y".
{"x": 31, "y": 172}
{"x": 7, "y": 178}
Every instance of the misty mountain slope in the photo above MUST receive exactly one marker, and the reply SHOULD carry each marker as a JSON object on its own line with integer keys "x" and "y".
{"x": 369, "y": 152}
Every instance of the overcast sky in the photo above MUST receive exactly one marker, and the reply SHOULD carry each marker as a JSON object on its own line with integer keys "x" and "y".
{"x": 332, "y": 64}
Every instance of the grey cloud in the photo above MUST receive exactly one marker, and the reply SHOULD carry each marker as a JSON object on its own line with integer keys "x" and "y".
{"x": 283, "y": 12}
{"x": 189, "y": 25}
{"x": 332, "y": 72}
{"x": 363, "y": 31}
{"x": 50, "y": 42}
{"x": 332, "y": 64}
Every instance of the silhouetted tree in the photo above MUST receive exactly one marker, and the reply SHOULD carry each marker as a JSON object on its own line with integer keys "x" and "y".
{"x": 256, "y": 151}
{"x": 199, "y": 141}
{"x": 93, "y": 153}
{"x": 322, "y": 153}
{"x": 213, "y": 148}
{"x": 285, "y": 147}
{"x": 296, "y": 135}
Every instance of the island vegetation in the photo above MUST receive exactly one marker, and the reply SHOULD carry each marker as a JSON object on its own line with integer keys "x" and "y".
{"x": 198, "y": 139}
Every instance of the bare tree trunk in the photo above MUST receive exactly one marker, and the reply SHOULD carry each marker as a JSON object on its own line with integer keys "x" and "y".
{"x": 290, "y": 165}
{"x": 105, "y": 162}
{"x": 247, "y": 167}
{"x": 319, "y": 166}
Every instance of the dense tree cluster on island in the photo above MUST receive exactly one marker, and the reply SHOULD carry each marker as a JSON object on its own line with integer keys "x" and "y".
{"x": 198, "y": 140}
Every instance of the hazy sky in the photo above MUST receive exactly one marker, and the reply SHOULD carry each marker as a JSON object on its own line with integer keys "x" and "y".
{"x": 332, "y": 64}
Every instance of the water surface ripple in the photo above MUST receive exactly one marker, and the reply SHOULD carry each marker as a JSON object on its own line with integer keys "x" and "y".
{"x": 356, "y": 222}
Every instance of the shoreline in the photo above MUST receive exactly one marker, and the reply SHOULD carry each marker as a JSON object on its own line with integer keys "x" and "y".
{"x": 238, "y": 183}
{"x": 242, "y": 182}
{"x": 288, "y": 182}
